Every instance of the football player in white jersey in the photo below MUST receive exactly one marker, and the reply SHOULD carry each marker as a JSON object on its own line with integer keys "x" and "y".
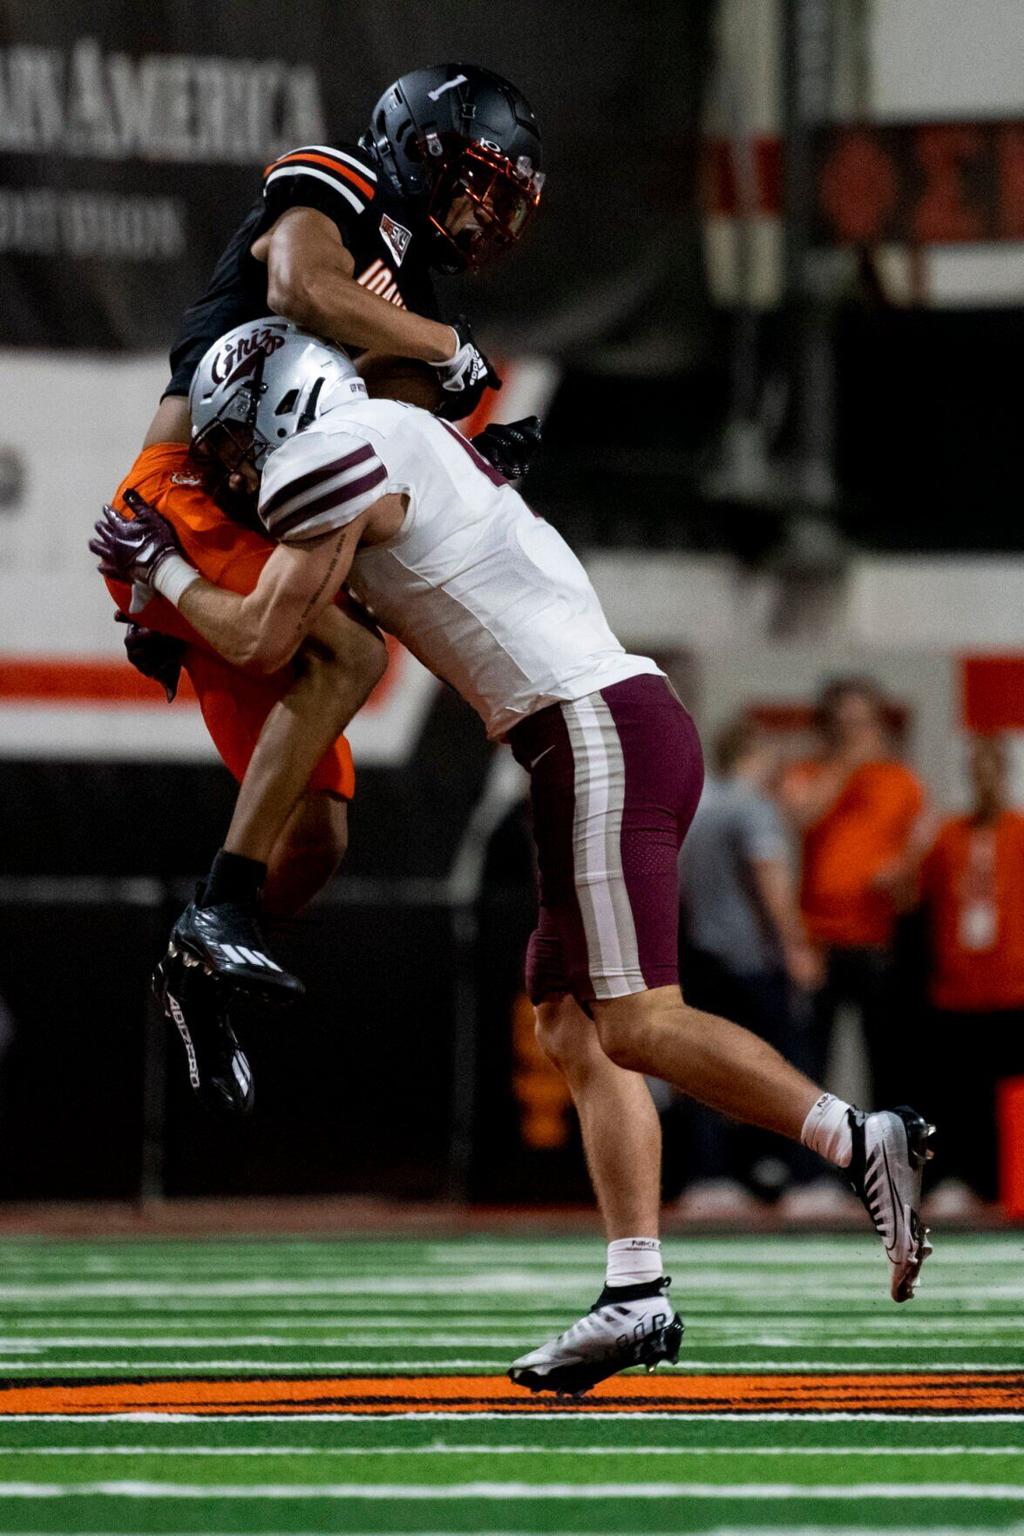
{"x": 450, "y": 559}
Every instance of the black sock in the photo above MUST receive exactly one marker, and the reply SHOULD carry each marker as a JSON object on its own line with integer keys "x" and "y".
{"x": 234, "y": 878}
{"x": 613, "y": 1293}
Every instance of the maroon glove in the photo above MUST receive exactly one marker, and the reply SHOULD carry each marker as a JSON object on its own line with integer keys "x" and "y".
{"x": 133, "y": 551}
{"x": 153, "y": 654}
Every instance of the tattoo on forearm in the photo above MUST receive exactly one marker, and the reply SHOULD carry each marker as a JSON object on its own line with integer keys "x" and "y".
{"x": 321, "y": 589}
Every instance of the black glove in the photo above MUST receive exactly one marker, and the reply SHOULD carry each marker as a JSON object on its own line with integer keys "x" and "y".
{"x": 510, "y": 446}
{"x": 133, "y": 551}
{"x": 153, "y": 654}
{"x": 465, "y": 376}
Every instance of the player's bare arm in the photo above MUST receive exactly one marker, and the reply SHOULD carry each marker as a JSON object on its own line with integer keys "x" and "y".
{"x": 263, "y": 630}
{"x": 310, "y": 282}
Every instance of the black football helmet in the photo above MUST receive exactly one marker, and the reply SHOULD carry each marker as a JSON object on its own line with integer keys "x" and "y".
{"x": 462, "y": 147}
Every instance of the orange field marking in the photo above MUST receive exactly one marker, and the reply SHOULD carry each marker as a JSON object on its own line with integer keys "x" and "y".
{"x": 920, "y": 1392}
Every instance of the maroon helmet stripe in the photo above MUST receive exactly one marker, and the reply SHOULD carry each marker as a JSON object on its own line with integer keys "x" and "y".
{"x": 327, "y": 502}
{"x": 305, "y": 483}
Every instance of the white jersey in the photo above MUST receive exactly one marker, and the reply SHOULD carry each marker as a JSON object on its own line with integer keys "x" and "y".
{"x": 488, "y": 595}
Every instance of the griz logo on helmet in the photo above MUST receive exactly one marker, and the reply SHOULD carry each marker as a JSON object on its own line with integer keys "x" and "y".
{"x": 243, "y": 349}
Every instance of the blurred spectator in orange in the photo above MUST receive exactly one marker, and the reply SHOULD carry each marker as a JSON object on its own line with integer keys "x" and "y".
{"x": 861, "y": 812}
{"x": 973, "y": 889}
{"x": 745, "y": 953}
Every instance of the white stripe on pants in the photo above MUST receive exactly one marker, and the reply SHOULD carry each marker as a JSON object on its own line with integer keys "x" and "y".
{"x": 613, "y": 956}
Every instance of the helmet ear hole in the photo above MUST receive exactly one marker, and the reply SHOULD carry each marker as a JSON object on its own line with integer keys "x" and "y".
{"x": 287, "y": 403}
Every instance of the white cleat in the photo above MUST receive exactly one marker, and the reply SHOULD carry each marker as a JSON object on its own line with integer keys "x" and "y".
{"x": 621, "y": 1329}
{"x": 890, "y": 1149}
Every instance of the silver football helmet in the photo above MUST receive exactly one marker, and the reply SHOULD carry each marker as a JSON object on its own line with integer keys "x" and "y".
{"x": 259, "y": 385}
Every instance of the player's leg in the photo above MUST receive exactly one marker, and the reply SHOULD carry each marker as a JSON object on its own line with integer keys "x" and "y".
{"x": 339, "y": 666}
{"x": 632, "y": 1320}
{"x": 615, "y": 783}
{"x": 735, "y": 1072}
{"x": 220, "y": 930}
{"x": 303, "y": 856}
{"x": 627, "y": 882}
{"x": 618, "y": 1121}
{"x": 307, "y": 853}
{"x": 722, "y": 1065}
{"x": 645, "y": 1024}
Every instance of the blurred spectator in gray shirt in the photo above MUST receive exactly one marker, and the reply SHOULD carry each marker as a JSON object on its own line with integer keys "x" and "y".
{"x": 745, "y": 953}
{"x": 735, "y": 869}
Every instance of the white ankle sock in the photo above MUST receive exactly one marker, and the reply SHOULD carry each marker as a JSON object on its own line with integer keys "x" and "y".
{"x": 633, "y": 1261}
{"x": 827, "y": 1130}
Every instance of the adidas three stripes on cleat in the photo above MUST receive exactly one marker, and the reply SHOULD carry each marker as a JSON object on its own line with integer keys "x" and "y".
{"x": 226, "y": 941}
{"x": 890, "y": 1149}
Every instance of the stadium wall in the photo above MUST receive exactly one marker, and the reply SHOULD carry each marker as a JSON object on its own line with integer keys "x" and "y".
{"x": 897, "y": 63}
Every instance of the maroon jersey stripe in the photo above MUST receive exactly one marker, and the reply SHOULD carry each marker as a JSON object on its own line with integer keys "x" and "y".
{"x": 327, "y": 502}
{"x": 315, "y": 477}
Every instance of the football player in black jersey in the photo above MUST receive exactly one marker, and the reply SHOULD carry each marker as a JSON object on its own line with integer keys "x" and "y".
{"x": 342, "y": 242}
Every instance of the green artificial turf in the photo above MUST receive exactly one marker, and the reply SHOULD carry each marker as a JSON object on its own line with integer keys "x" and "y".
{"x": 76, "y": 1312}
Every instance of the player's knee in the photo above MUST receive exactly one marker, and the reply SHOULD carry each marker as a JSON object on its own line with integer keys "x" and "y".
{"x": 564, "y": 1034}
{"x": 353, "y": 651}
{"x": 373, "y": 658}
{"x": 621, "y": 1034}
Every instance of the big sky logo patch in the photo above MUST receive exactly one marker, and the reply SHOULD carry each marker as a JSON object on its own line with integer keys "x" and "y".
{"x": 396, "y": 237}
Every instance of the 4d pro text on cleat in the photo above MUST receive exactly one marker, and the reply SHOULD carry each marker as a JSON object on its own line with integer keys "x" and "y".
{"x": 628, "y": 1325}
{"x": 196, "y": 1004}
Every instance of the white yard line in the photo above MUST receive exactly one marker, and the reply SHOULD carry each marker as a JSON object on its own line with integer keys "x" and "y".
{"x": 28, "y": 1343}
{"x": 315, "y": 1366}
{"x": 512, "y": 1450}
{"x": 729, "y": 1250}
{"x": 1001, "y": 1492}
{"x": 34, "y": 1329}
{"x": 518, "y": 1282}
{"x": 36, "y": 1344}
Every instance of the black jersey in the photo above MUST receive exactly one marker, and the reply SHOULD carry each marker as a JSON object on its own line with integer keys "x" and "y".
{"x": 388, "y": 247}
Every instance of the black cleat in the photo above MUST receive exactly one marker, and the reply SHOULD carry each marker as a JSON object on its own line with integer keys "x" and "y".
{"x": 226, "y": 942}
{"x": 890, "y": 1149}
{"x": 620, "y": 1330}
{"x": 196, "y": 1004}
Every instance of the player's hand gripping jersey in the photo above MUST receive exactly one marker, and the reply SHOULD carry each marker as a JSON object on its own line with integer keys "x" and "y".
{"x": 487, "y": 595}
{"x": 390, "y": 256}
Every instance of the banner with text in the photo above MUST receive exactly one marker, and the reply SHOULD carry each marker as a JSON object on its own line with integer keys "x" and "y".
{"x": 132, "y": 137}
